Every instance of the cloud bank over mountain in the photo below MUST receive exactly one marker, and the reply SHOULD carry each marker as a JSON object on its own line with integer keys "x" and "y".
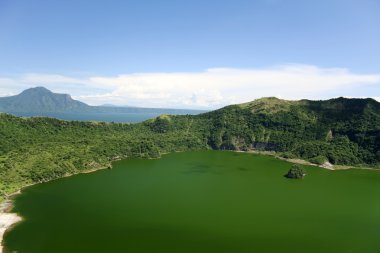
{"x": 211, "y": 88}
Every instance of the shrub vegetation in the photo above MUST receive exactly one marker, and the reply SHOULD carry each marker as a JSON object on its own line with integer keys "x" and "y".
{"x": 296, "y": 172}
{"x": 341, "y": 131}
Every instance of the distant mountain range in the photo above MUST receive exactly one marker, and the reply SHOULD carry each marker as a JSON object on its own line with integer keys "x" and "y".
{"x": 40, "y": 100}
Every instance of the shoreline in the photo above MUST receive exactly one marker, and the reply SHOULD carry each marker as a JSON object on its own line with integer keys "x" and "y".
{"x": 7, "y": 219}
{"x": 327, "y": 165}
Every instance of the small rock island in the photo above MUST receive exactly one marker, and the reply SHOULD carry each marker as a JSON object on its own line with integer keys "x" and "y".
{"x": 296, "y": 172}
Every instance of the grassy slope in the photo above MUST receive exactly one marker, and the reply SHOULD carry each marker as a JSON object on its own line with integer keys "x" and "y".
{"x": 343, "y": 131}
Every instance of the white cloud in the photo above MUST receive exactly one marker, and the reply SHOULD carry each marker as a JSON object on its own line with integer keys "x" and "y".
{"x": 221, "y": 86}
{"x": 213, "y": 87}
{"x": 9, "y": 87}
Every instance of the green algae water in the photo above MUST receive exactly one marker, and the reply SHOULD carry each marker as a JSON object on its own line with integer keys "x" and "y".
{"x": 207, "y": 201}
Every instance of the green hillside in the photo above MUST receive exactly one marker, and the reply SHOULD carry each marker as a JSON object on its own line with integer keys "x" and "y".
{"x": 341, "y": 131}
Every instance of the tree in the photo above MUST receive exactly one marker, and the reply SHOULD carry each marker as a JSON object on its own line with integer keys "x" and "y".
{"x": 296, "y": 172}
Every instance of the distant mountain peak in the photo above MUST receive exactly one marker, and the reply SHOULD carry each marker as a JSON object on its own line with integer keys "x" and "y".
{"x": 38, "y": 89}
{"x": 39, "y": 99}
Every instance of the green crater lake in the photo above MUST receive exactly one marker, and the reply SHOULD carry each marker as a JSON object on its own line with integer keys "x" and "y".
{"x": 206, "y": 201}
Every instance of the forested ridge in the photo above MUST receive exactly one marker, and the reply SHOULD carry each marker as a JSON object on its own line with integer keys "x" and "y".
{"x": 341, "y": 131}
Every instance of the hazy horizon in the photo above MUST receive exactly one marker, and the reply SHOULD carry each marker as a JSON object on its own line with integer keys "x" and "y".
{"x": 184, "y": 108}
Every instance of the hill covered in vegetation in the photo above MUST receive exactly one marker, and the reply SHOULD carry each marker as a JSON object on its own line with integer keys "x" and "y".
{"x": 341, "y": 131}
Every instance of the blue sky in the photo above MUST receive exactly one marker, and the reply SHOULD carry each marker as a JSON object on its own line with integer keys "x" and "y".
{"x": 136, "y": 52}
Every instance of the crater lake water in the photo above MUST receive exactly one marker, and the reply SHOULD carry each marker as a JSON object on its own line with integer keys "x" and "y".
{"x": 206, "y": 201}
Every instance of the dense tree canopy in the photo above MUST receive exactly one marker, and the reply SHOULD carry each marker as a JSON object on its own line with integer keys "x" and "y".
{"x": 341, "y": 131}
{"x": 296, "y": 172}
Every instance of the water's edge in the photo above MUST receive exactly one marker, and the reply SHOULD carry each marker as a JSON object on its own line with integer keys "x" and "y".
{"x": 8, "y": 218}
